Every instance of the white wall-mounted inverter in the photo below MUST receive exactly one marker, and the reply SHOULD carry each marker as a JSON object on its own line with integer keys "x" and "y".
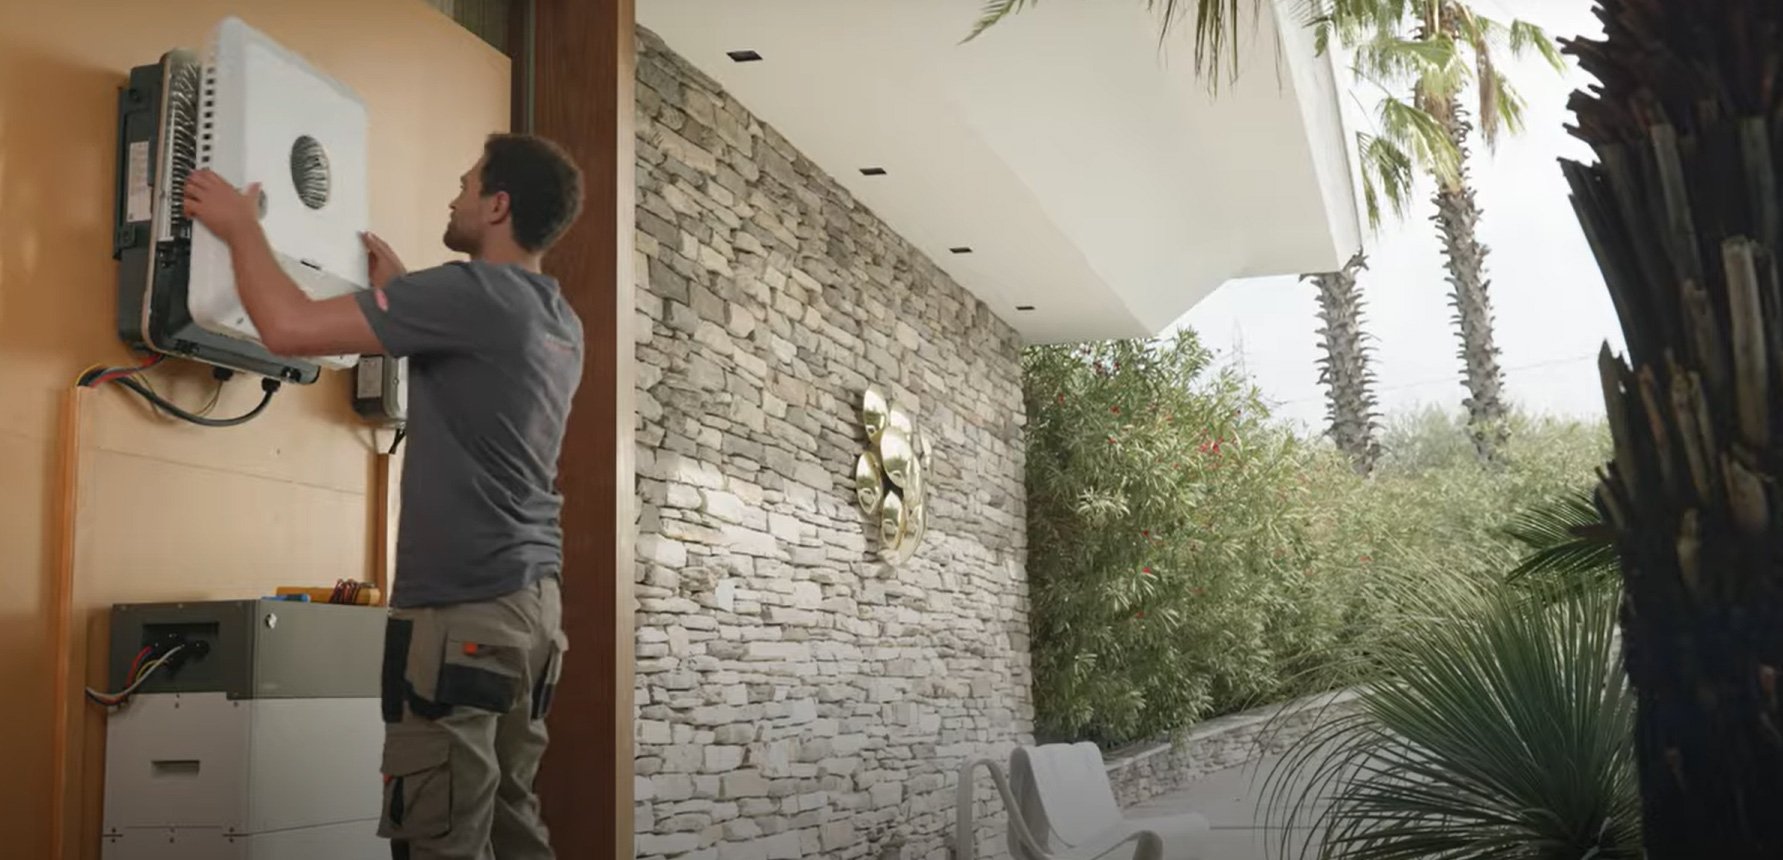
{"x": 253, "y": 111}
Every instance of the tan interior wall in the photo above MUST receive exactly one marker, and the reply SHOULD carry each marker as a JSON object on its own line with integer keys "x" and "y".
{"x": 169, "y": 511}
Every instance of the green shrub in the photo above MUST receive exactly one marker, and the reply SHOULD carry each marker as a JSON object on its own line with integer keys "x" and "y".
{"x": 1190, "y": 557}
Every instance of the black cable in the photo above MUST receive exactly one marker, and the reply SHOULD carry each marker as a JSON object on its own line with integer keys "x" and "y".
{"x": 112, "y": 700}
{"x": 401, "y": 434}
{"x": 270, "y": 386}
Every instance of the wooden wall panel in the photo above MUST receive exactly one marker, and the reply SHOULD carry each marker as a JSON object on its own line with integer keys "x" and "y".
{"x": 170, "y": 511}
{"x": 584, "y": 64}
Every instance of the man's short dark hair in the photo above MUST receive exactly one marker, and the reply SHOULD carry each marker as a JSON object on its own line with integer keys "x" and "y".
{"x": 544, "y": 186}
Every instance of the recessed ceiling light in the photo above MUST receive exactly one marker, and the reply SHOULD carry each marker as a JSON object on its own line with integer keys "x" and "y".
{"x": 1024, "y": 307}
{"x": 744, "y": 56}
{"x": 962, "y": 249}
{"x": 872, "y": 171}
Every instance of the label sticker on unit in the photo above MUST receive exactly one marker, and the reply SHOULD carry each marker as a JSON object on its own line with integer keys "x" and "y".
{"x": 137, "y": 201}
{"x": 371, "y": 377}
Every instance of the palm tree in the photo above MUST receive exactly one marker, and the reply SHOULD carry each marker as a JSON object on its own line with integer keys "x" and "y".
{"x": 1387, "y": 173}
{"x": 1437, "y": 50}
{"x": 1344, "y": 370}
{"x": 1684, "y": 211}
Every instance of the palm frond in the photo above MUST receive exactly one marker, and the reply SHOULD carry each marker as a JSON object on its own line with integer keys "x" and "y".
{"x": 1350, "y": 21}
{"x": 1368, "y": 15}
{"x": 1476, "y": 30}
{"x": 1388, "y": 176}
{"x": 1391, "y": 60}
{"x": 1568, "y": 542}
{"x": 1526, "y": 37}
{"x": 1217, "y": 26}
{"x": 1421, "y": 135}
{"x": 1501, "y": 734}
{"x": 1507, "y": 106}
{"x": 993, "y": 13}
{"x": 1217, "y": 30}
{"x": 1425, "y": 54}
{"x": 1492, "y": 98}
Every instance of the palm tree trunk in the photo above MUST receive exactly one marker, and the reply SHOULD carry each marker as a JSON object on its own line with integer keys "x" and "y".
{"x": 1457, "y": 218}
{"x": 1685, "y": 214}
{"x": 1344, "y": 369}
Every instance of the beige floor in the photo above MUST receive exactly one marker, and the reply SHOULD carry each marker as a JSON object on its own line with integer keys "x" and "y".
{"x": 1229, "y": 799}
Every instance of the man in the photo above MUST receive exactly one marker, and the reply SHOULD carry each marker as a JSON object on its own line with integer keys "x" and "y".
{"x": 474, "y": 642}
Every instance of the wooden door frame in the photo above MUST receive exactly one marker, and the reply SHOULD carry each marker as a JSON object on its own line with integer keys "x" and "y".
{"x": 574, "y": 72}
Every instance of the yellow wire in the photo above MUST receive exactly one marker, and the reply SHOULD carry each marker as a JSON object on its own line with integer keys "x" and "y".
{"x": 83, "y": 373}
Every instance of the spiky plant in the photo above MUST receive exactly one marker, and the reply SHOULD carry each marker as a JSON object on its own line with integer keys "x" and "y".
{"x": 1424, "y": 55}
{"x": 1499, "y": 731}
{"x": 1569, "y": 546}
{"x": 1685, "y": 213}
{"x": 1349, "y": 384}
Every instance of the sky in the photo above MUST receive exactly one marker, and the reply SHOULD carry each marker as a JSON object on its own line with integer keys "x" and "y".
{"x": 1549, "y": 300}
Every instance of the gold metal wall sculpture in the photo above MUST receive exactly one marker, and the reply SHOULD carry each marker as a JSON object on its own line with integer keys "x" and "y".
{"x": 891, "y": 477}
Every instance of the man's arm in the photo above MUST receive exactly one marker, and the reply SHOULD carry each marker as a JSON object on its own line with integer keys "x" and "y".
{"x": 290, "y": 322}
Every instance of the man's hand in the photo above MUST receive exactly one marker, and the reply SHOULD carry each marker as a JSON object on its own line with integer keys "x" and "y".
{"x": 383, "y": 262}
{"x": 288, "y": 321}
{"x": 222, "y": 209}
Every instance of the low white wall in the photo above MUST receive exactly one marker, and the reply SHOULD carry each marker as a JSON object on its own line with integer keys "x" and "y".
{"x": 1141, "y": 772}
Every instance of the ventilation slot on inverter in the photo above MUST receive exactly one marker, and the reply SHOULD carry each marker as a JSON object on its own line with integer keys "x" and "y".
{"x": 255, "y": 113}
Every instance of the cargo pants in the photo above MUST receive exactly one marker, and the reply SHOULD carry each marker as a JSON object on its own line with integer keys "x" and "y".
{"x": 466, "y": 688}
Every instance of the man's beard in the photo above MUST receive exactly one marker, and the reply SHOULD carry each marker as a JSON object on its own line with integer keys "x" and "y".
{"x": 458, "y": 242}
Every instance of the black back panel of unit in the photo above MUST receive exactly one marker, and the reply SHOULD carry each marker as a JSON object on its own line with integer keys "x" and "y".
{"x": 169, "y": 327}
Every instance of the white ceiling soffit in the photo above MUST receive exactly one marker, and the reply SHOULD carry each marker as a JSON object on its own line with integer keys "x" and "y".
{"x": 1096, "y": 179}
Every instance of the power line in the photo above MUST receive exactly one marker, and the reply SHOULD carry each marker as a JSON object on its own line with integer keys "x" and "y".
{"x": 1537, "y": 365}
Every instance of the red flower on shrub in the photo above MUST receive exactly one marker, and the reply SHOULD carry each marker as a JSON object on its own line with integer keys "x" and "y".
{"x": 1114, "y": 410}
{"x": 1200, "y": 592}
{"x": 1146, "y": 570}
{"x": 1139, "y": 614}
{"x": 1365, "y": 559}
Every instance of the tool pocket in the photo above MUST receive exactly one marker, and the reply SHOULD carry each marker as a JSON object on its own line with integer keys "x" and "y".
{"x": 413, "y": 641}
{"x": 417, "y": 786}
{"x": 480, "y": 674}
{"x": 546, "y": 688}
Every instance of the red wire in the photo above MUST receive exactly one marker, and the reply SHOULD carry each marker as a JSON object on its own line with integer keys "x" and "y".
{"x": 137, "y": 663}
{"x": 129, "y": 371}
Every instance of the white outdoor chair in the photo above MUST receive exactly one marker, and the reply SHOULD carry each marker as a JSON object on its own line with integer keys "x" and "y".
{"x": 1061, "y": 808}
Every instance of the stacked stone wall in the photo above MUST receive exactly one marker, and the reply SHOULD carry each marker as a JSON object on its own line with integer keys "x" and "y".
{"x": 797, "y": 697}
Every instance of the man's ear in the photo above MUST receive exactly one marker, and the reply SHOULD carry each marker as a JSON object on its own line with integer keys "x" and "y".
{"x": 500, "y": 207}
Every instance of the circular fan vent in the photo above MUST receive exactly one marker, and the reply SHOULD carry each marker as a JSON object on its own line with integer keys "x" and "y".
{"x": 309, "y": 171}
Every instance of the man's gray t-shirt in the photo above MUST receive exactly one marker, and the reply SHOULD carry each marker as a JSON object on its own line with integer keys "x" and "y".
{"x": 495, "y": 354}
